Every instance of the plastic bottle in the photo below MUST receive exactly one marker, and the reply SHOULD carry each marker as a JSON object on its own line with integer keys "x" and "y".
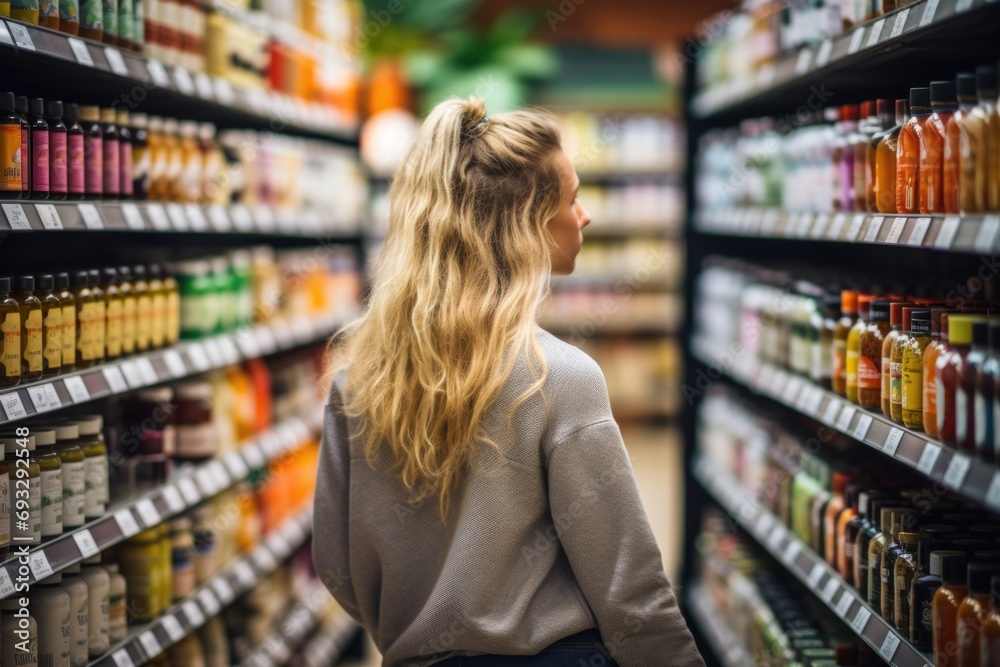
{"x": 113, "y": 309}
{"x": 913, "y": 368}
{"x": 11, "y": 155}
{"x": 31, "y": 328}
{"x": 853, "y": 346}
{"x": 980, "y": 126}
{"x": 140, "y": 156}
{"x": 86, "y": 315}
{"x": 117, "y": 611}
{"x": 74, "y": 474}
{"x": 973, "y": 613}
{"x": 50, "y": 606}
{"x": 93, "y": 150}
{"x": 112, "y": 153}
{"x": 965, "y": 388}
{"x": 10, "y": 626}
{"x": 100, "y": 315}
{"x": 96, "y": 496}
{"x": 870, "y": 356}
{"x": 143, "y": 309}
{"x": 52, "y": 326}
{"x": 944, "y": 103}
{"x": 966, "y": 86}
{"x": 50, "y": 469}
{"x": 67, "y": 303}
{"x": 888, "y": 375}
{"x": 955, "y": 410}
{"x": 125, "y": 184}
{"x": 69, "y": 16}
{"x": 79, "y": 602}
{"x": 99, "y": 587}
{"x": 10, "y": 324}
{"x": 75, "y": 154}
{"x": 22, "y": 112}
{"x": 908, "y": 152}
{"x": 933, "y": 352}
{"x": 58, "y": 151}
{"x": 38, "y": 148}
{"x": 129, "y": 307}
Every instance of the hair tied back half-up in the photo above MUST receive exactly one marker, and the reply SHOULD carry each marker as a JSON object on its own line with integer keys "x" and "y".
{"x": 454, "y": 301}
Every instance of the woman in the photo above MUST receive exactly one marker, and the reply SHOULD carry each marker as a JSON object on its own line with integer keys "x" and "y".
{"x": 474, "y": 496}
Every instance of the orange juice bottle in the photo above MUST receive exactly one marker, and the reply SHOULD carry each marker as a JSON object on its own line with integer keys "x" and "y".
{"x": 943, "y": 105}
{"x": 908, "y": 152}
{"x": 878, "y": 127}
{"x": 966, "y": 84}
{"x": 885, "y": 161}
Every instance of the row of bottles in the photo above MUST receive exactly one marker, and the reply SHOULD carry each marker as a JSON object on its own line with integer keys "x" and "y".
{"x": 925, "y": 561}
{"x": 936, "y": 152}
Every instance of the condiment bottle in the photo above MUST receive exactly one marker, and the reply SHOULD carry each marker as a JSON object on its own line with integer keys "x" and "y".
{"x": 6, "y": 502}
{"x": 948, "y": 369}
{"x": 38, "y": 149}
{"x": 67, "y": 303}
{"x": 58, "y": 151}
{"x": 987, "y": 408}
{"x": 831, "y": 513}
{"x": 870, "y": 357}
{"x": 92, "y": 19}
{"x": 158, "y": 329}
{"x": 990, "y": 640}
{"x": 114, "y": 314}
{"x": 110, "y": 8}
{"x": 52, "y": 326}
{"x": 111, "y": 167}
{"x": 31, "y": 328}
{"x": 93, "y": 149}
{"x": 183, "y": 556}
{"x": 75, "y": 153}
{"x": 189, "y": 184}
{"x": 845, "y": 549}
{"x": 947, "y": 599}
{"x": 19, "y": 449}
{"x": 100, "y": 314}
{"x": 125, "y": 185}
{"x": 139, "y": 559}
{"x": 977, "y": 131}
{"x": 902, "y": 522}
{"x": 143, "y": 309}
{"x": 50, "y": 469}
{"x": 117, "y": 612}
{"x": 10, "y": 312}
{"x": 912, "y": 356}
{"x": 74, "y": 474}
{"x": 966, "y": 87}
{"x": 878, "y": 130}
{"x": 197, "y": 439}
{"x": 876, "y": 547}
{"x": 933, "y": 352}
{"x": 965, "y": 387}
{"x": 96, "y": 496}
{"x": 204, "y": 545}
{"x": 943, "y": 104}
{"x": 973, "y": 612}
{"x": 11, "y": 155}
{"x": 69, "y": 17}
{"x": 908, "y": 152}
{"x": 173, "y": 296}
{"x": 188, "y": 651}
{"x": 79, "y": 601}
{"x": 848, "y": 127}
{"x": 214, "y": 180}
{"x": 129, "y": 307}
{"x": 853, "y": 346}
{"x": 902, "y": 578}
{"x": 923, "y": 591}
{"x": 22, "y": 112}
{"x": 86, "y": 337}
{"x": 174, "y": 158}
{"x": 99, "y": 587}
{"x": 50, "y": 606}
{"x": 12, "y": 651}
{"x": 126, "y": 25}
{"x": 888, "y": 374}
{"x": 140, "y": 156}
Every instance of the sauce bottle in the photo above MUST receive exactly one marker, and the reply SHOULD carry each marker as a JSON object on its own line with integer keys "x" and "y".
{"x": 68, "y": 304}
{"x": 140, "y": 156}
{"x": 913, "y": 368}
{"x": 75, "y": 154}
{"x": 93, "y": 151}
{"x": 948, "y": 369}
{"x": 876, "y": 547}
{"x": 48, "y": 14}
{"x": 923, "y": 590}
{"x": 110, "y": 8}
{"x": 973, "y": 613}
{"x": 944, "y": 608}
{"x": 157, "y": 161}
{"x": 189, "y": 183}
{"x": 844, "y": 549}
{"x": 50, "y": 470}
{"x": 117, "y": 612}
{"x": 74, "y": 474}
{"x": 139, "y": 559}
{"x": 52, "y": 326}
{"x": 966, "y": 86}
{"x": 902, "y": 522}
{"x": 993, "y": 156}
{"x": 11, "y": 154}
{"x": 31, "y": 328}
{"x": 113, "y": 309}
{"x": 943, "y": 104}
{"x": 908, "y": 152}
{"x": 126, "y": 26}
{"x": 69, "y": 16}
{"x": 125, "y": 185}
{"x": 987, "y": 409}
{"x": 128, "y": 310}
{"x": 76, "y": 588}
{"x": 965, "y": 387}
{"x": 6, "y": 502}
{"x": 58, "y": 151}
{"x": 100, "y": 315}
{"x": 92, "y": 19}
{"x": 175, "y": 159}
{"x": 99, "y": 587}
{"x": 22, "y": 112}
{"x": 933, "y": 351}
{"x": 30, "y": 534}
{"x": 25, "y": 11}
{"x": 881, "y": 126}
{"x": 214, "y": 190}
{"x": 158, "y": 330}
{"x": 849, "y": 314}
{"x": 38, "y": 149}
{"x": 112, "y": 170}
{"x": 870, "y": 357}
{"x": 853, "y": 345}
{"x": 86, "y": 334}
{"x": 831, "y": 513}
{"x": 867, "y": 126}
{"x": 905, "y": 566}
{"x": 95, "y": 451}
{"x": 976, "y": 130}
{"x": 891, "y": 340}
{"x": 10, "y": 628}
{"x": 10, "y": 312}
{"x": 143, "y": 309}
{"x": 50, "y": 607}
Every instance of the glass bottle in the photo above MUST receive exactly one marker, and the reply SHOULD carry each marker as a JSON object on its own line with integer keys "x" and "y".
{"x": 902, "y": 522}
{"x": 75, "y": 153}
{"x": 944, "y": 102}
{"x": 924, "y": 590}
{"x": 21, "y": 103}
{"x": 973, "y": 612}
{"x": 99, "y": 587}
{"x": 19, "y": 452}
{"x": 822, "y": 324}
{"x": 96, "y": 496}
{"x": 67, "y": 303}
{"x": 933, "y": 352}
{"x": 100, "y": 315}
{"x": 831, "y": 513}
{"x": 881, "y": 128}
{"x": 31, "y": 328}
{"x": 76, "y": 588}
{"x": 50, "y": 469}
{"x": 158, "y": 190}
{"x": 74, "y": 474}
{"x": 58, "y": 150}
{"x": 870, "y": 356}
{"x": 867, "y": 126}
{"x": 876, "y": 547}
{"x": 182, "y": 557}
{"x": 125, "y": 167}
{"x": 902, "y": 578}
{"x": 143, "y": 309}
{"x": 69, "y": 17}
{"x": 891, "y": 339}
{"x": 172, "y": 292}
{"x": 139, "y": 561}
{"x": 853, "y": 346}
{"x": 189, "y": 183}
{"x": 49, "y": 605}
{"x": 965, "y": 84}
{"x": 140, "y": 156}
{"x": 845, "y": 548}
{"x": 110, "y": 35}
{"x": 93, "y": 149}
{"x": 174, "y": 158}
{"x": 11, "y": 154}
{"x": 965, "y": 390}
{"x": 977, "y": 133}
{"x": 10, "y": 627}
{"x": 10, "y": 312}
{"x": 38, "y": 148}
{"x": 908, "y": 152}
{"x": 52, "y": 326}
{"x": 158, "y": 330}
{"x": 849, "y": 131}
{"x": 114, "y": 314}
{"x": 128, "y": 310}
{"x": 913, "y": 368}
{"x": 86, "y": 336}
{"x": 112, "y": 169}
{"x": 990, "y": 653}
{"x": 92, "y": 19}
{"x": 956, "y": 377}
{"x": 117, "y": 611}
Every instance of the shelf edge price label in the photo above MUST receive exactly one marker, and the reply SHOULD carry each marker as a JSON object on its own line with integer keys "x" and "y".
{"x": 16, "y": 217}
{"x": 208, "y": 601}
{"x": 171, "y": 496}
{"x": 39, "y": 398}
{"x": 150, "y": 644}
{"x": 861, "y": 620}
{"x": 126, "y": 522}
{"x": 85, "y": 543}
{"x": 830, "y": 590}
{"x": 148, "y": 512}
{"x": 844, "y": 603}
{"x": 158, "y": 217}
{"x": 91, "y": 216}
{"x": 12, "y": 406}
{"x": 892, "y": 441}
{"x": 896, "y": 230}
{"x": 80, "y": 51}
{"x": 854, "y": 228}
{"x": 158, "y": 73}
{"x": 244, "y": 574}
{"x": 193, "y": 613}
{"x": 876, "y": 33}
{"x": 963, "y": 6}
{"x": 49, "y": 216}
{"x": 832, "y": 410}
{"x": 889, "y": 646}
{"x": 792, "y": 551}
{"x": 116, "y": 381}
{"x": 223, "y": 589}
{"x": 861, "y": 430}
{"x": 844, "y": 420}
{"x": 172, "y": 627}
{"x": 824, "y": 53}
{"x": 987, "y": 234}
{"x": 900, "y": 24}
{"x": 116, "y": 61}
{"x": 816, "y": 575}
{"x": 178, "y": 218}
{"x": 856, "y": 39}
{"x": 919, "y": 232}
{"x": 133, "y": 217}
{"x": 77, "y": 389}
{"x": 121, "y": 658}
{"x": 929, "y": 10}
{"x": 957, "y": 469}
{"x": 189, "y": 491}
{"x": 802, "y": 63}
{"x": 39, "y": 564}
{"x": 175, "y": 364}
{"x": 993, "y": 492}
{"x": 928, "y": 458}
{"x": 238, "y": 469}
{"x": 874, "y": 227}
{"x": 946, "y": 234}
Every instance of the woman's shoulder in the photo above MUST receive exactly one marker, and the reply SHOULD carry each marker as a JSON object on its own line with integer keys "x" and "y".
{"x": 575, "y": 381}
{"x": 566, "y": 360}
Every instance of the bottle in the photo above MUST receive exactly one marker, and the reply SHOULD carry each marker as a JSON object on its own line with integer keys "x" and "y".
{"x": 174, "y": 154}
{"x": 138, "y": 25}
{"x": 95, "y": 451}
{"x": 50, "y": 606}
{"x": 979, "y": 126}
{"x": 947, "y": 598}
{"x": 189, "y": 182}
{"x": 48, "y": 14}
{"x": 93, "y": 150}
{"x": 125, "y": 185}
{"x": 848, "y": 127}
{"x": 172, "y": 292}
{"x": 13, "y": 445}
{"x": 114, "y": 315}
{"x": 870, "y": 356}
{"x": 11, "y": 154}
{"x": 74, "y": 474}
{"x": 22, "y": 112}
{"x": 25, "y": 11}
{"x": 948, "y": 370}
{"x": 845, "y": 546}
{"x": 100, "y": 315}
{"x": 140, "y": 156}
{"x": 876, "y": 548}
{"x": 188, "y": 651}
{"x": 913, "y": 368}
{"x": 197, "y": 437}
{"x": 143, "y": 309}
{"x": 31, "y": 328}
{"x": 158, "y": 190}
{"x": 214, "y": 190}
{"x": 944, "y": 103}
{"x": 86, "y": 314}
{"x": 966, "y": 87}
{"x": 831, "y": 513}
{"x": 128, "y": 310}
{"x": 99, "y": 587}
{"x": 10, "y": 311}
{"x": 903, "y": 522}
{"x": 117, "y": 612}
{"x": 76, "y": 589}
{"x": 923, "y": 633}
{"x": 933, "y": 352}
{"x": 965, "y": 387}
{"x": 902, "y": 578}
{"x": 214, "y": 640}
{"x": 126, "y": 26}
{"x": 58, "y": 155}
{"x": 891, "y": 339}
{"x": 204, "y": 545}
{"x": 111, "y": 169}
{"x": 75, "y": 154}
{"x": 182, "y": 541}
{"x": 69, "y": 16}
{"x": 12, "y": 650}
{"x": 67, "y": 303}
{"x": 853, "y": 346}
{"x": 822, "y": 325}
{"x": 139, "y": 560}
{"x": 973, "y": 612}
{"x": 158, "y": 329}
{"x": 110, "y": 35}
{"x": 908, "y": 152}
{"x": 52, "y": 326}
{"x": 38, "y": 149}
{"x": 867, "y": 126}
{"x": 50, "y": 471}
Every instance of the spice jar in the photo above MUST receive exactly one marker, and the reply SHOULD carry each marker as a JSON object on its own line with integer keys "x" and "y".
{"x": 74, "y": 474}
{"x": 196, "y": 433}
{"x": 870, "y": 356}
{"x": 96, "y": 496}
{"x": 149, "y": 420}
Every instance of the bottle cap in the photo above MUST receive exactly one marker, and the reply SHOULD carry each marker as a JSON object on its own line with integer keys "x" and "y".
{"x": 965, "y": 82}
{"x": 986, "y": 82}
{"x": 37, "y": 107}
{"x": 67, "y": 431}
{"x": 72, "y": 569}
{"x": 912, "y": 538}
{"x": 108, "y": 115}
{"x": 943, "y": 93}
{"x": 831, "y": 302}
{"x": 879, "y": 310}
{"x": 94, "y": 277}
{"x": 44, "y": 437}
{"x": 8, "y": 103}
{"x": 883, "y": 107}
{"x": 919, "y": 97}
{"x": 139, "y": 120}
{"x": 867, "y": 109}
{"x": 122, "y": 118}
{"x": 54, "y": 109}
{"x": 154, "y": 271}
{"x": 960, "y": 329}
{"x": 920, "y": 321}
{"x": 849, "y": 112}
{"x": 89, "y": 424}
{"x": 157, "y": 395}
{"x": 62, "y": 280}
{"x": 22, "y": 105}
{"x": 5, "y": 285}
{"x": 979, "y": 575}
{"x": 896, "y": 314}
{"x": 90, "y": 113}
{"x": 949, "y": 565}
{"x": 24, "y": 284}
{"x": 46, "y": 282}
{"x": 981, "y": 333}
{"x": 12, "y": 442}
{"x": 71, "y": 113}
{"x": 865, "y": 304}
{"x": 109, "y": 276}
{"x": 81, "y": 279}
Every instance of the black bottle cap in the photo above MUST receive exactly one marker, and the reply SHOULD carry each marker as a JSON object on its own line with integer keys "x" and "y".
{"x": 951, "y": 566}
{"x": 981, "y": 333}
{"x": 71, "y": 113}
{"x": 986, "y": 81}
{"x": 22, "y": 104}
{"x": 81, "y": 279}
{"x": 943, "y": 92}
{"x": 879, "y": 311}
{"x": 46, "y": 282}
{"x": 125, "y": 273}
{"x": 920, "y": 97}
{"x": 24, "y": 284}
{"x": 54, "y": 109}
{"x": 966, "y": 84}
{"x": 8, "y": 103}
{"x": 109, "y": 276}
{"x": 139, "y": 272}
{"x": 62, "y": 281}
{"x": 37, "y": 106}
{"x": 979, "y": 576}
{"x": 5, "y": 285}
{"x": 920, "y": 322}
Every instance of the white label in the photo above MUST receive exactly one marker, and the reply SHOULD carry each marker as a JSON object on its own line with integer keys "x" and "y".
{"x": 133, "y": 217}
{"x": 148, "y": 512}
{"x": 802, "y": 63}
{"x": 12, "y": 406}
{"x": 856, "y": 39}
{"x": 237, "y": 466}
{"x": 874, "y": 227}
{"x": 241, "y": 218}
{"x": 792, "y": 551}
{"x": 993, "y": 492}
{"x": 116, "y": 382}
{"x": 928, "y": 458}
{"x": 819, "y": 226}
{"x": 896, "y": 230}
{"x": 265, "y": 340}
{"x": 122, "y": 658}
{"x": 80, "y": 51}
{"x": 146, "y": 371}
{"x": 158, "y": 217}
{"x": 49, "y": 215}
{"x": 830, "y": 590}
{"x": 876, "y": 33}
{"x": 815, "y": 398}
{"x": 189, "y": 491}
{"x": 892, "y": 441}
{"x": 228, "y": 350}
{"x": 217, "y": 216}
{"x": 946, "y": 235}
{"x": 6, "y": 584}
{"x": 929, "y": 10}
{"x": 175, "y": 364}
{"x": 39, "y": 564}
{"x": 196, "y": 353}
{"x": 212, "y": 350}
{"x": 126, "y": 522}
{"x": 836, "y": 227}
{"x": 196, "y": 218}
{"x": 861, "y": 620}
{"x": 815, "y": 575}
{"x": 172, "y": 497}
{"x": 132, "y": 374}
{"x": 116, "y": 61}
{"x": 889, "y": 645}
{"x": 224, "y": 92}
{"x": 264, "y": 217}
{"x": 897, "y": 28}
{"x": 206, "y": 482}
{"x": 223, "y": 589}
{"x": 172, "y": 627}
{"x": 962, "y": 6}
{"x": 77, "y": 389}
{"x": 253, "y": 455}
{"x": 844, "y": 603}
{"x": 203, "y": 84}
{"x": 244, "y": 574}
{"x": 150, "y": 644}
{"x": 219, "y": 474}
{"x": 792, "y": 389}
{"x": 39, "y": 398}
{"x": 85, "y": 543}
{"x": 831, "y": 412}
{"x": 987, "y": 233}
{"x": 158, "y": 74}
{"x": 264, "y": 559}
{"x": 846, "y": 415}
{"x": 958, "y": 467}
{"x": 193, "y": 613}
{"x": 207, "y": 599}
{"x": 857, "y": 222}
{"x": 185, "y": 84}
{"x": 91, "y": 216}
{"x": 861, "y": 430}
{"x": 919, "y": 232}
{"x": 16, "y": 217}
{"x": 177, "y": 217}
{"x": 823, "y": 55}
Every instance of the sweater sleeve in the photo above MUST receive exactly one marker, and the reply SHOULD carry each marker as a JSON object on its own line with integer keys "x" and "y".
{"x": 603, "y": 529}
{"x": 331, "y": 507}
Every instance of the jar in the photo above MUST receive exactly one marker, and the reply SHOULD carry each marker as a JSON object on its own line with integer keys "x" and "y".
{"x": 139, "y": 560}
{"x": 96, "y": 495}
{"x": 99, "y": 590}
{"x": 10, "y": 625}
{"x": 197, "y": 297}
{"x": 50, "y": 605}
{"x": 74, "y": 474}
{"x": 182, "y": 557}
{"x": 50, "y": 466}
{"x": 22, "y": 466}
{"x": 149, "y": 422}
{"x": 79, "y": 621}
{"x": 117, "y": 612}
{"x": 196, "y": 432}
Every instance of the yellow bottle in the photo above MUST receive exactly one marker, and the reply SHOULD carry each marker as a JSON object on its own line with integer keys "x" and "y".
{"x": 173, "y": 296}
{"x": 32, "y": 344}
{"x": 68, "y": 305}
{"x": 85, "y": 333}
{"x": 114, "y": 314}
{"x": 158, "y": 332}
{"x": 175, "y": 159}
{"x": 100, "y": 310}
{"x": 143, "y": 309}
{"x": 10, "y": 324}
{"x": 189, "y": 182}
{"x": 140, "y": 561}
{"x": 215, "y": 180}
{"x": 52, "y": 326}
{"x": 128, "y": 310}
{"x": 157, "y": 161}
{"x": 854, "y": 345}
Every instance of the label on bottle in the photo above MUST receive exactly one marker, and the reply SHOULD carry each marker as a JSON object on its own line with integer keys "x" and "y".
{"x": 869, "y": 376}
{"x": 10, "y": 158}
{"x": 126, "y": 22}
{"x": 35, "y": 508}
{"x": 32, "y": 342}
{"x": 110, "y": 168}
{"x": 93, "y": 152}
{"x": 39, "y": 160}
{"x": 197, "y": 441}
{"x": 12, "y": 345}
{"x": 983, "y": 423}
{"x": 25, "y": 161}
{"x": 910, "y": 397}
{"x": 58, "y": 162}
{"x": 52, "y": 335}
{"x": 85, "y": 329}
{"x": 961, "y": 414}
{"x": 110, "y": 17}
{"x": 114, "y": 332}
{"x": 143, "y": 324}
{"x": 852, "y": 367}
{"x": 69, "y": 11}
{"x": 128, "y": 325}
{"x": 52, "y": 502}
{"x": 125, "y": 167}
{"x": 4, "y": 509}
{"x": 68, "y": 335}
{"x": 95, "y": 486}
{"x": 117, "y": 618}
{"x": 939, "y": 387}
{"x": 76, "y": 163}
{"x": 874, "y": 589}
{"x": 901, "y": 597}
{"x": 74, "y": 490}
{"x": 895, "y": 383}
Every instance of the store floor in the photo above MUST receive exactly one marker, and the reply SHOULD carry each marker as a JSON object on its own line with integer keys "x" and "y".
{"x": 659, "y": 463}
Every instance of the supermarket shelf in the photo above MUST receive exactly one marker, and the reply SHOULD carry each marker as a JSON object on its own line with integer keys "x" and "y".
{"x": 189, "y": 490}
{"x": 293, "y": 630}
{"x": 788, "y": 79}
{"x": 976, "y": 233}
{"x": 182, "y": 360}
{"x": 659, "y": 282}
{"x": 628, "y": 230}
{"x": 611, "y": 326}
{"x": 726, "y": 645}
{"x": 666, "y": 172}
{"x": 959, "y": 472}
{"x": 808, "y": 567}
{"x": 149, "y": 640}
{"x": 325, "y": 649}
{"x": 111, "y": 71}
{"x": 25, "y": 216}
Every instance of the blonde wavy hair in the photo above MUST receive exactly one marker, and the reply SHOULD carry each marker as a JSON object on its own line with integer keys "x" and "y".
{"x": 454, "y": 301}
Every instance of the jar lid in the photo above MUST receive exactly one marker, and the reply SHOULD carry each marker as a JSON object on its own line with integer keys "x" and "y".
{"x": 949, "y": 565}
{"x": 93, "y": 560}
{"x": 194, "y": 391}
{"x": 158, "y": 395}
{"x": 44, "y": 437}
{"x": 67, "y": 431}
{"x": 89, "y": 424}
{"x": 9, "y": 440}
{"x": 912, "y": 538}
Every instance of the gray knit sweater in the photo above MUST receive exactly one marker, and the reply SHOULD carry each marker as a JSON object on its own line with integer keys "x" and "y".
{"x": 545, "y": 540}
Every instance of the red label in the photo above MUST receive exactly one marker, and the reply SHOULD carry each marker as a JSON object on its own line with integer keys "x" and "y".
{"x": 94, "y": 165}
{"x": 75, "y": 168}
{"x": 40, "y": 160}
{"x": 869, "y": 376}
{"x": 111, "y": 174}
{"x": 57, "y": 161}
{"x": 125, "y": 164}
